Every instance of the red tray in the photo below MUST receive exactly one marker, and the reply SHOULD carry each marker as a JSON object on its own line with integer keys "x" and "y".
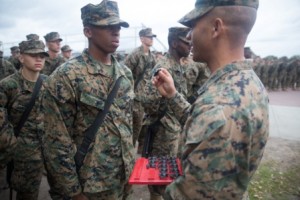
{"x": 143, "y": 175}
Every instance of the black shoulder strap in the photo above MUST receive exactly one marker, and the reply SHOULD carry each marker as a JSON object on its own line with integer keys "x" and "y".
{"x": 92, "y": 130}
{"x": 29, "y": 106}
{"x": 141, "y": 76}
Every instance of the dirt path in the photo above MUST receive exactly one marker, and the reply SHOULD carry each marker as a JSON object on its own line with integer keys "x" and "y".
{"x": 284, "y": 152}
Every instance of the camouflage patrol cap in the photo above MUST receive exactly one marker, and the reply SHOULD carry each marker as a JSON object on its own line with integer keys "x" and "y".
{"x": 14, "y": 49}
{"x": 32, "y": 36}
{"x": 33, "y": 47}
{"x": 204, "y": 6}
{"x": 180, "y": 33}
{"x": 146, "y": 32}
{"x": 104, "y": 14}
{"x": 52, "y": 36}
{"x": 66, "y": 48}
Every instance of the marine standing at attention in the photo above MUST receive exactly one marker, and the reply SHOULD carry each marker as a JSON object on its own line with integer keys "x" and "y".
{"x": 75, "y": 93}
{"x": 226, "y": 129}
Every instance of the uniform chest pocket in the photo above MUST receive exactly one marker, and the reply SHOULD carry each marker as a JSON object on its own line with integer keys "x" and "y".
{"x": 17, "y": 108}
{"x": 124, "y": 101}
{"x": 88, "y": 99}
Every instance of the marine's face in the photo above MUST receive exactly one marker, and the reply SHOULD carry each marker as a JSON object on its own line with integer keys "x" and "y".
{"x": 104, "y": 38}
{"x": 199, "y": 35}
{"x": 15, "y": 54}
{"x": 147, "y": 40}
{"x": 54, "y": 46}
{"x": 183, "y": 48}
{"x": 33, "y": 62}
{"x": 67, "y": 54}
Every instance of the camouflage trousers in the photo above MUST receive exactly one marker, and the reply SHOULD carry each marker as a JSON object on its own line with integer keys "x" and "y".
{"x": 4, "y": 187}
{"x": 26, "y": 178}
{"x": 124, "y": 192}
{"x": 137, "y": 117}
{"x": 165, "y": 142}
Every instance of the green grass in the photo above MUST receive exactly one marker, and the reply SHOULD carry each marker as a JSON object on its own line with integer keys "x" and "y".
{"x": 270, "y": 183}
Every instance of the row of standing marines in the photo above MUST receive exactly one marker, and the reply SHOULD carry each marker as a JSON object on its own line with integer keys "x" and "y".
{"x": 212, "y": 113}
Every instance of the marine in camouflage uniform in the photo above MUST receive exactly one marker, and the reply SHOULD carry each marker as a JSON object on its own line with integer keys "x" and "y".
{"x": 14, "y": 58}
{"x": 196, "y": 74}
{"x": 264, "y": 72}
{"x": 282, "y": 73}
{"x": 66, "y": 52}
{"x": 166, "y": 139}
{"x": 257, "y": 66}
{"x": 292, "y": 72}
{"x": 272, "y": 63}
{"x": 298, "y": 74}
{"x": 226, "y": 129}
{"x": 141, "y": 62}
{"x": 6, "y": 68}
{"x": 54, "y": 60}
{"x": 75, "y": 93}
{"x": 15, "y": 94}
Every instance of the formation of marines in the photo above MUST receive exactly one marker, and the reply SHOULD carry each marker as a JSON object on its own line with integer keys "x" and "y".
{"x": 75, "y": 90}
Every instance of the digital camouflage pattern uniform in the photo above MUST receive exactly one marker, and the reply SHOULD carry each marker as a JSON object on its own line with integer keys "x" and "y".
{"x": 273, "y": 66}
{"x": 196, "y": 74}
{"x": 282, "y": 73}
{"x": 15, "y": 94}
{"x": 257, "y": 65}
{"x": 225, "y": 133}
{"x": 137, "y": 61}
{"x": 294, "y": 72}
{"x": 52, "y": 63}
{"x": 75, "y": 93}
{"x": 167, "y": 135}
{"x": 7, "y": 139}
{"x": 6, "y": 68}
{"x": 14, "y": 60}
{"x": 264, "y": 72}
{"x": 225, "y": 130}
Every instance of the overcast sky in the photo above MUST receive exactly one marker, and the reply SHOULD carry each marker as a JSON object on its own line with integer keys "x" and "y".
{"x": 276, "y": 32}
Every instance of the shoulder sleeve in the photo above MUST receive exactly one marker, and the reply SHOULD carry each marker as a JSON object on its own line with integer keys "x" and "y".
{"x": 7, "y": 137}
{"x": 59, "y": 108}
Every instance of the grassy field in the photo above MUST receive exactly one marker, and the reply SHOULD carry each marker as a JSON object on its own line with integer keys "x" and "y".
{"x": 269, "y": 183}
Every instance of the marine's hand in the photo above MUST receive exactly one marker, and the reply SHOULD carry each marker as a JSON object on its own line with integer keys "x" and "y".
{"x": 80, "y": 196}
{"x": 163, "y": 81}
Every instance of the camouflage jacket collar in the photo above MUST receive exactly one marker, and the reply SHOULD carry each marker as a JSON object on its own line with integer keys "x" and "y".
{"x": 235, "y": 66}
{"x": 24, "y": 84}
{"x": 95, "y": 67}
{"x": 141, "y": 49}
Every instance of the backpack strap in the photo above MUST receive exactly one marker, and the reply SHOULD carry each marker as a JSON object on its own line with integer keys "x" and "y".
{"x": 29, "y": 106}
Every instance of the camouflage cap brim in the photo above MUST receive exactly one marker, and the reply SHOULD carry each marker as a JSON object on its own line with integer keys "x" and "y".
{"x": 36, "y": 51}
{"x": 54, "y": 39}
{"x": 189, "y": 19}
{"x": 109, "y": 22}
{"x": 204, "y": 6}
{"x": 150, "y": 35}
